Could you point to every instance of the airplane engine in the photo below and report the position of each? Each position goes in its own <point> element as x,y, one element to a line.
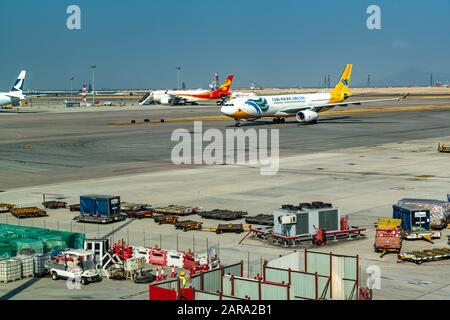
<point>307,116</point>
<point>166,99</point>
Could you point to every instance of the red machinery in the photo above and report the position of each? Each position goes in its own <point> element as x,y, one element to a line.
<point>122,250</point>
<point>320,237</point>
<point>158,257</point>
<point>344,223</point>
<point>190,263</point>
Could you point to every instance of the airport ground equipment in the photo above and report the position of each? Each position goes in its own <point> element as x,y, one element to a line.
<point>99,247</point>
<point>388,238</point>
<point>100,209</point>
<point>138,211</point>
<point>176,210</point>
<point>5,207</point>
<point>165,219</point>
<point>74,208</point>
<point>439,210</point>
<point>230,228</point>
<point>260,220</point>
<point>188,225</point>
<point>158,256</point>
<point>225,215</point>
<point>415,223</point>
<point>262,233</point>
<point>52,205</point>
<point>77,265</point>
<point>419,257</point>
<point>317,222</point>
<point>31,212</point>
<point>142,214</point>
<point>443,149</point>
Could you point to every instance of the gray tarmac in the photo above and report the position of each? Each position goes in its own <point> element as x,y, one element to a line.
<point>363,163</point>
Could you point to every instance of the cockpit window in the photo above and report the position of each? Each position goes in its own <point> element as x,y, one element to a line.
<point>229,105</point>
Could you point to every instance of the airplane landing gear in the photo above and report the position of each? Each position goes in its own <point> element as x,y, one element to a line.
<point>279,120</point>
<point>237,123</point>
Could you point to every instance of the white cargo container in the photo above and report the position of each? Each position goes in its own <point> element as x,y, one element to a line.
<point>39,264</point>
<point>10,270</point>
<point>27,263</point>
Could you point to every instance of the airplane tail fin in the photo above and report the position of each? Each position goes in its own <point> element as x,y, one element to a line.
<point>18,85</point>
<point>341,91</point>
<point>225,87</point>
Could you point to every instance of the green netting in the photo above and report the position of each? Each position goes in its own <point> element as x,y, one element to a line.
<point>20,245</point>
<point>5,250</point>
<point>16,238</point>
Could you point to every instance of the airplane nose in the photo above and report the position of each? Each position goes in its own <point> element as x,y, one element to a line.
<point>227,110</point>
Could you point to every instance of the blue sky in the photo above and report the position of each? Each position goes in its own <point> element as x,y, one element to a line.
<point>138,44</point>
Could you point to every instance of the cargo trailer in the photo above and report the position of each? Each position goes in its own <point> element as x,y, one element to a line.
<point>415,223</point>
<point>317,222</point>
<point>100,209</point>
<point>388,236</point>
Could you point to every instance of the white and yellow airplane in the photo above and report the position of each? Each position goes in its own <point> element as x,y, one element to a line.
<point>305,107</point>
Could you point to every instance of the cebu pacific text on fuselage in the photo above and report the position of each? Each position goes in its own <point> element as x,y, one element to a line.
<point>249,147</point>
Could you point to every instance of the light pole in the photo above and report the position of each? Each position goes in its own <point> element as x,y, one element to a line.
<point>179,72</point>
<point>71,88</point>
<point>93,83</point>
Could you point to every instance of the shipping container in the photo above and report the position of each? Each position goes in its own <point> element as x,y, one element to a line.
<point>105,206</point>
<point>414,219</point>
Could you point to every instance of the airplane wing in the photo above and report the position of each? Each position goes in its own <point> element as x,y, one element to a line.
<point>319,108</point>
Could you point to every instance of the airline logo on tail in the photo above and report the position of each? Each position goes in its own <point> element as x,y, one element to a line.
<point>18,85</point>
<point>225,87</point>
<point>340,92</point>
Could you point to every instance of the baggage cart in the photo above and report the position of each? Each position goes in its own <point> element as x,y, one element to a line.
<point>188,225</point>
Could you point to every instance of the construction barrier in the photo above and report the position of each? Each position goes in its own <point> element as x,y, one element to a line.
<point>342,271</point>
<point>253,289</point>
<point>211,281</point>
<point>208,296</point>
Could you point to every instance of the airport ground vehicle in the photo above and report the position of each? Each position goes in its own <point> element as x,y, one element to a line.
<point>175,210</point>
<point>165,219</point>
<point>77,265</point>
<point>188,225</point>
<point>54,205</point>
<point>230,228</point>
<point>419,257</point>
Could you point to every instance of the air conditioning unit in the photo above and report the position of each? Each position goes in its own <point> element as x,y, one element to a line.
<point>288,219</point>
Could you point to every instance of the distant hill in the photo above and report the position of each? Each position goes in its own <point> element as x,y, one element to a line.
<point>411,77</point>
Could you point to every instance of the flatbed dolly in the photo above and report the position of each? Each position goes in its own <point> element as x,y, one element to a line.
<point>419,257</point>
<point>188,225</point>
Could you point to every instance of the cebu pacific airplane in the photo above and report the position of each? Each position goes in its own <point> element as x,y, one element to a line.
<point>15,95</point>
<point>193,97</point>
<point>305,107</point>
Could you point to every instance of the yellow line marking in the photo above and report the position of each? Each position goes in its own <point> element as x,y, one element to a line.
<point>327,113</point>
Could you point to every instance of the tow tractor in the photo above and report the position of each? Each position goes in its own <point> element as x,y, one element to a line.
<point>77,265</point>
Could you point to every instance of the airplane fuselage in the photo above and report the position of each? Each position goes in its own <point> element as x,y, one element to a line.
<point>273,106</point>
<point>8,99</point>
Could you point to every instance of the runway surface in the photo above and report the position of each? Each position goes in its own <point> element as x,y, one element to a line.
<point>44,148</point>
